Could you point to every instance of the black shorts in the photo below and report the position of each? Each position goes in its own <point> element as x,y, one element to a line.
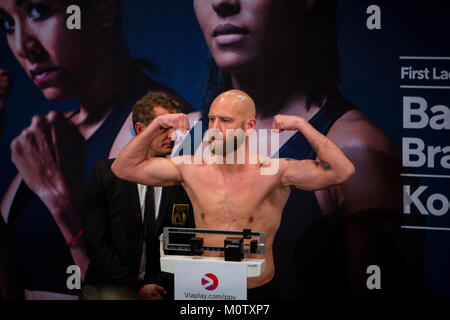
<point>265,292</point>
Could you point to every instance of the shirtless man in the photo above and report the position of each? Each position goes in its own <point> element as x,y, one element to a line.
<point>235,196</point>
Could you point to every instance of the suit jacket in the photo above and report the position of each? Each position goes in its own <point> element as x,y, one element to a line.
<point>113,231</point>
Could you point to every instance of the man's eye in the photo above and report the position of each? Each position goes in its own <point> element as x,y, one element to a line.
<point>38,11</point>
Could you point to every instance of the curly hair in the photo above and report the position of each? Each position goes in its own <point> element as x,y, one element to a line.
<point>143,109</point>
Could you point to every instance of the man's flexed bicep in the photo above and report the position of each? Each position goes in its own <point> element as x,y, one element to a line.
<point>158,172</point>
<point>308,175</point>
<point>332,166</point>
<point>137,163</point>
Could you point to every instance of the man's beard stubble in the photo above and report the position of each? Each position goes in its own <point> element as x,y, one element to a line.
<point>219,147</point>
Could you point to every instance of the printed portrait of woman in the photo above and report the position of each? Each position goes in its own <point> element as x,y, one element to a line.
<point>284,54</point>
<point>41,209</point>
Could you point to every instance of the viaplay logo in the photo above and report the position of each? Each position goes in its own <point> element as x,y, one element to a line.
<point>210,282</point>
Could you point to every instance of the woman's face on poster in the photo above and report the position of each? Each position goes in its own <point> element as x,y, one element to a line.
<point>55,58</point>
<point>244,34</point>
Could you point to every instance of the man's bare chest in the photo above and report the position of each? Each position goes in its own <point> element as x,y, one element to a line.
<point>238,191</point>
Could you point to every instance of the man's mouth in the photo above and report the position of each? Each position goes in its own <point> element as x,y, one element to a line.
<point>169,144</point>
<point>214,139</point>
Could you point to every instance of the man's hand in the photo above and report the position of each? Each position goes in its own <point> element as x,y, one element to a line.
<point>151,292</point>
<point>173,121</point>
<point>285,122</point>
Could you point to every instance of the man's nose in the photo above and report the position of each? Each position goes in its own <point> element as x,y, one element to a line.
<point>215,125</point>
<point>225,8</point>
<point>173,136</point>
<point>170,134</point>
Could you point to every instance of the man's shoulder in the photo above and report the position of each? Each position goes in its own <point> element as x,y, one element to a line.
<point>102,173</point>
<point>103,165</point>
<point>102,169</point>
<point>183,160</point>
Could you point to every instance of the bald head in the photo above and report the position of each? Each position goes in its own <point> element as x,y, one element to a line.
<point>232,114</point>
<point>236,102</point>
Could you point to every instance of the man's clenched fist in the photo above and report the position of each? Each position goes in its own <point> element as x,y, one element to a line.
<point>284,122</point>
<point>173,121</point>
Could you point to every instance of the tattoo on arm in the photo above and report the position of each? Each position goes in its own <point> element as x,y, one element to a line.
<point>316,150</point>
<point>325,165</point>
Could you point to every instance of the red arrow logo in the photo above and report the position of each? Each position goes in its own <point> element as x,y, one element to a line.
<point>210,281</point>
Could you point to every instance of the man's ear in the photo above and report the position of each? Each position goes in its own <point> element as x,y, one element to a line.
<point>108,12</point>
<point>139,127</point>
<point>251,123</point>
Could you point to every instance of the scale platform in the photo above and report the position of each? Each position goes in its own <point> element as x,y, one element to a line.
<point>255,267</point>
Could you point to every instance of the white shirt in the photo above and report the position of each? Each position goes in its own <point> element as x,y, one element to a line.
<point>142,190</point>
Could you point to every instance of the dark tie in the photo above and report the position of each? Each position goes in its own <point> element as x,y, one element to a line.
<point>149,213</point>
<point>152,265</point>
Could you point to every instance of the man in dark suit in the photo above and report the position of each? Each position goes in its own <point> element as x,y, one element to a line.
<point>123,220</point>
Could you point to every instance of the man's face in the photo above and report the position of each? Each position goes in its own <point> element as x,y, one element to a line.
<point>226,123</point>
<point>162,145</point>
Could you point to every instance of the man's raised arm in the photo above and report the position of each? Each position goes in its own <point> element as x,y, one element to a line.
<point>332,168</point>
<point>136,161</point>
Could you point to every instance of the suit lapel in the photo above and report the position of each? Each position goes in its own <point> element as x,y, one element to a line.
<point>134,197</point>
<point>166,200</point>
